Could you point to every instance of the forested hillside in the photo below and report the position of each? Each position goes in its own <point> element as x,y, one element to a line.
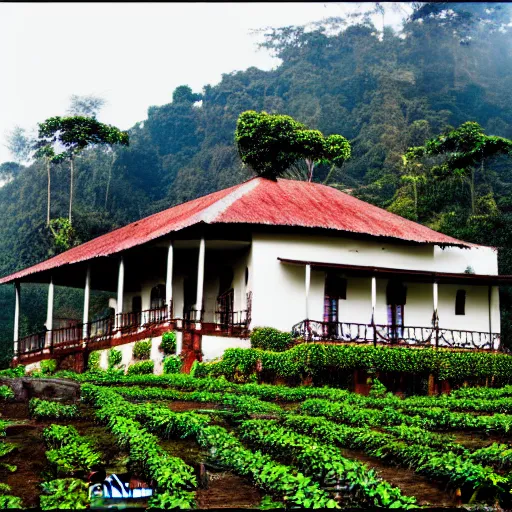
<point>384,91</point>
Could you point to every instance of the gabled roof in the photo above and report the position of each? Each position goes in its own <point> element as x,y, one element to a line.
<point>257,201</point>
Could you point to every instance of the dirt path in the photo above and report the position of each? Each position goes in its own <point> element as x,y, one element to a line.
<point>226,490</point>
<point>409,482</point>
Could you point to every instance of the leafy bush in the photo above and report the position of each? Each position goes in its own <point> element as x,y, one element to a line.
<point>377,390</point>
<point>268,338</point>
<point>172,364</point>
<point>45,409</point>
<point>141,368</point>
<point>70,453</point>
<point>93,365</point>
<point>168,344</point>
<point>17,371</point>
<point>68,493</point>
<point>7,500</point>
<point>6,392</point>
<point>318,360</point>
<point>142,349</point>
<point>48,366</point>
<point>114,358</point>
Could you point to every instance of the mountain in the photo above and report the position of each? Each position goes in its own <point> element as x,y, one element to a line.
<point>385,91</point>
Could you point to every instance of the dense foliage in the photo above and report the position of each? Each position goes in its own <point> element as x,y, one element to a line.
<point>330,361</point>
<point>383,90</point>
<point>142,349</point>
<point>168,344</point>
<point>268,338</point>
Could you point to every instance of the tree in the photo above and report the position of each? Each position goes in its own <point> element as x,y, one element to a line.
<point>87,106</point>
<point>271,143</point>
<point>19,144</point>
<point>463,152</point>
<point>46,152</point>
<point>76,134</point>
<point>184,94</point>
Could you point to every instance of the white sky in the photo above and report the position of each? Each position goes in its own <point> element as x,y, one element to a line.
<point>132,54</point>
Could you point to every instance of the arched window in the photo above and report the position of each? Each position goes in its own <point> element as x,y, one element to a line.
<point>157,296</point>
<point>460,302</point>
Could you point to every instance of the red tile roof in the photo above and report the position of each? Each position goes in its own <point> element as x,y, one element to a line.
<point>257,201</point>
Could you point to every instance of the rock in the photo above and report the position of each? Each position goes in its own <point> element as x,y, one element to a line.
<point>25,388</point>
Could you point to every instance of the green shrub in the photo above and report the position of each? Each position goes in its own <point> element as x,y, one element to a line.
<point>48,366</point>
<point>268,338</point>
<point>6,392</point>
<point>141,368</point>
<point>45,409</point>
<point>93,365</point>
<point>17,371</point>
<point>142,349</point>
<point>114,358</point>
<point>172,364</point>
<point>69,493</point>
<point>168,345</point>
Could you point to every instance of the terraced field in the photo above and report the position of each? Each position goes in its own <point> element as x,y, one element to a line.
<point>209,443</point>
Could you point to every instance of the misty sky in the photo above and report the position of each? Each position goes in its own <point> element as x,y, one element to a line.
<point>131,54</point>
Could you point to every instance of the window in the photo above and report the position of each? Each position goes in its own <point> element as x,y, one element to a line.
<point>460,302</point>
<point>246,275</point>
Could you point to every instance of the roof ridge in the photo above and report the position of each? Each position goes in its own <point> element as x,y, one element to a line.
<point>215,210</point>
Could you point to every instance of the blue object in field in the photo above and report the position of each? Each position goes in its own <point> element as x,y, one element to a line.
<point>113,487</point>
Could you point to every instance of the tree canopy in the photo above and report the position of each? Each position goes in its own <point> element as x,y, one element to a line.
<point>271,143</point>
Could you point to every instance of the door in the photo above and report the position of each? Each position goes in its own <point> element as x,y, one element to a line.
<point>335,290</point>
<point>396,294</point>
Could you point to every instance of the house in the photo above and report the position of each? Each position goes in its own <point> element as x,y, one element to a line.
<point>288,254</point>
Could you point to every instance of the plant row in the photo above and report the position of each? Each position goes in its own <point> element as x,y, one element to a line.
<point>174,480</point>
<point>69,453</point>
<point>46,409</point>
<point>283,482</point>
<point>431,419</point>
<point>352,481</point>
<point>456,469</point>
<point>241,404</point>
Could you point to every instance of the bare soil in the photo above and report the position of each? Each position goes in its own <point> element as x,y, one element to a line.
<point>226,490</point>
<point>409,482</point>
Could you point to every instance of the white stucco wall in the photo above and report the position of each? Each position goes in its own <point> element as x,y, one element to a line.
<point>279,289</point>
<point>214,346</point>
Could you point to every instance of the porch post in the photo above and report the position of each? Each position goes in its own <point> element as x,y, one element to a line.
<point>200,283</point>
<point>168,282</point>
<point>435,318</point>
<point>374,304</point>
<point>16,317</point>
<point>87,294</point>
<point>49,313</point>
<point>308,284</point>
<point>120,292</point>
<point>489,296</point>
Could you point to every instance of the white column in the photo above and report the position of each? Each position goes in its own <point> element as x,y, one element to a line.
<point>435,297</point>
<point>16,316</point>
<point>374,297</point>
<point>49,313</point>
<point>120,290</point>
<point>168,282</point>
<point>87,295</point>
<point>308,285</point>
<point>200,282</point>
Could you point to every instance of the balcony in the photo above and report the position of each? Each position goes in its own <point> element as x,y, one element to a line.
<point>124,328</point>
<point>410,336</point>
